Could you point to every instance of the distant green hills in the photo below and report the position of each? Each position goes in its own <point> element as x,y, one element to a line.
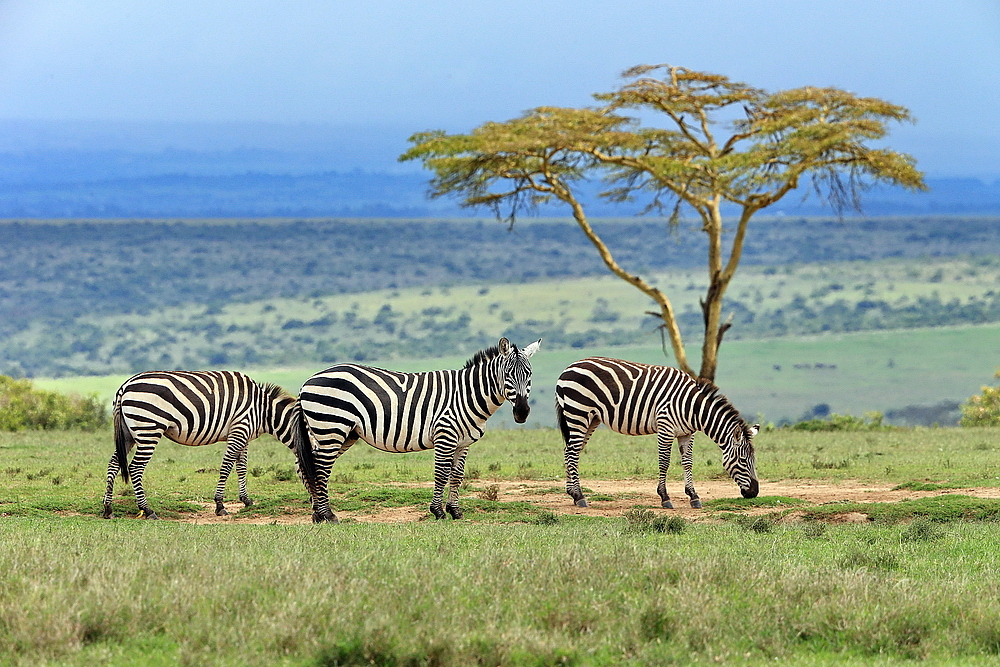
<point>106,299</point>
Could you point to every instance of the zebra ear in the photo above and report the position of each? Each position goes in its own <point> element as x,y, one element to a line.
<point>531,349</point>
<point>754,429</point>
<point>504,346</point>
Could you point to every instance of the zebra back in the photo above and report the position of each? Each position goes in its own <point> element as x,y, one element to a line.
<point>398,411</point>
<point>199,407</point>
<point>632,397</point>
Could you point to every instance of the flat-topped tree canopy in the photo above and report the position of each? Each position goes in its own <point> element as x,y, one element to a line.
<point>721,143</point>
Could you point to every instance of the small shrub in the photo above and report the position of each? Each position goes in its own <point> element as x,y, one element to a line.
<point>669,524</point>
<point>657,623</point>
<point>546,518</point>
<point>494,467</point>
<point>22,407</point>
<point>922,530</point>
<point>638,520</point>
<point>256,471</point>
<point>642,520</point>
<point>284,474</point>
<point>984,409</point>
<point>814,530</point>
<point>867,559</point>
<point>756,524</point>
<point>491,492</point>
<point>872,421</point>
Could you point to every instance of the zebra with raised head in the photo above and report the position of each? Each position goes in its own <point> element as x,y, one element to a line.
<point>196,408</point>
<point>409,412</point>
<point>642,399</point>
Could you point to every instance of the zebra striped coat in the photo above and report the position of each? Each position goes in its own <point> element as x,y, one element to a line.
<point>196,408</point>
<point>409,412</point>
<point>642,399</point>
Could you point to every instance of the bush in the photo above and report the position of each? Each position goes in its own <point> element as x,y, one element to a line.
<point>984,409</point>
<point>23,407</point>
<point>872,421</point>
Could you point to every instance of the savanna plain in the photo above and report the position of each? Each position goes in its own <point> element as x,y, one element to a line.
<point>878,545</point>
<point>867,547</point>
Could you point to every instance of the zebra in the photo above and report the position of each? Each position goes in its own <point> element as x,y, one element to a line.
<point>642,399</point>
<point>196,408</point>
<point>408,412</point>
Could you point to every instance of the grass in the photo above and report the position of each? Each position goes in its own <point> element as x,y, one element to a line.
<point>873,371</point>
<point>513,584</point>
<point>80,592</point>
<point>64,471</point>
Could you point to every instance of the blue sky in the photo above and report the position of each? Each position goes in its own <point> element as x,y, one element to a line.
<point>398,66</point>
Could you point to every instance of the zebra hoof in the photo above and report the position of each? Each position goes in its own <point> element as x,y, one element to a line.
<point>696,503</point>
<point>246,502</point>
<point>150,514</point>
<point>108,514</point>
<point>221,511</point>
<point>329,517</point>
<point>455,512</point>
<point>582,502</point>
<point>666,504</point>
<point>438,512</point>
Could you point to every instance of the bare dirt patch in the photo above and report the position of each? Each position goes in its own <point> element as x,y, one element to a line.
<point>625,493</point>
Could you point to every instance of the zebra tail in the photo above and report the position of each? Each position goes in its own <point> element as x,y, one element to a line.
<point>304,453</point>
<point>563,426</point>
<point>123,442</point>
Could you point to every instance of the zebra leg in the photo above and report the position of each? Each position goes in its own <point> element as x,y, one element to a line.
<point>326,454</point>
<point>576,437</point>
<point>236,447</point>
<point>143,452</point>
<point>686,444</point>
<point>113,469</point>
<point>241,472</point>
<point>663,442</point>
<point>444,460</point>
<point>455,482</point>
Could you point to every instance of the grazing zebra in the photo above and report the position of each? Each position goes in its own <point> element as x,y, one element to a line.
<point>196,408</point>
<point>409,412</point>
<point>640,399</point>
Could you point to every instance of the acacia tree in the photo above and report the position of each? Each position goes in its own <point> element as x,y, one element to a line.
<point>724,143</point>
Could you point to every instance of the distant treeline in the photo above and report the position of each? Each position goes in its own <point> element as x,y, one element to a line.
<point>91,297</point>
<point>59,271</point>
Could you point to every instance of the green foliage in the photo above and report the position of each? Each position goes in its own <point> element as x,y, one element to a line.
<point>24,407</point>
<point>426,594</point>
<point>940,509</point>
<point>872,421</point>
<point>984,409</point>
<point>763,151</point>
<point>642,520</point>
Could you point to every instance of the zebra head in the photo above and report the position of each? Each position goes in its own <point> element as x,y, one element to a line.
<point>738,458</point>
<point>515,370</point>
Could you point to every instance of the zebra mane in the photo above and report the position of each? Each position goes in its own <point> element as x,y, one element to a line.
<point>483,356</point>
<point>712,392</point>
<point>273,391</point>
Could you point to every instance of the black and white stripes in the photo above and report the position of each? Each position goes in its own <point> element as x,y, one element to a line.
<point>641,399</point>
<point>196,408</point>
<point>408,412</point>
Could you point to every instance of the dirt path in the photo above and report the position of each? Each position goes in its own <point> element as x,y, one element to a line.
<point>627,494</point>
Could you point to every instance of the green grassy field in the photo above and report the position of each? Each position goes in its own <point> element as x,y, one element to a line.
<point>423,322</point>
<point>512,584</point>
<point>852,373</point>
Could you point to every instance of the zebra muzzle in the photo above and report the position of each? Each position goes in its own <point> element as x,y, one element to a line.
<point>521,410</point>
<point>752,490</point>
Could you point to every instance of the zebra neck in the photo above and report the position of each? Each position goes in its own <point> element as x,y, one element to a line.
<point>483,382</point>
